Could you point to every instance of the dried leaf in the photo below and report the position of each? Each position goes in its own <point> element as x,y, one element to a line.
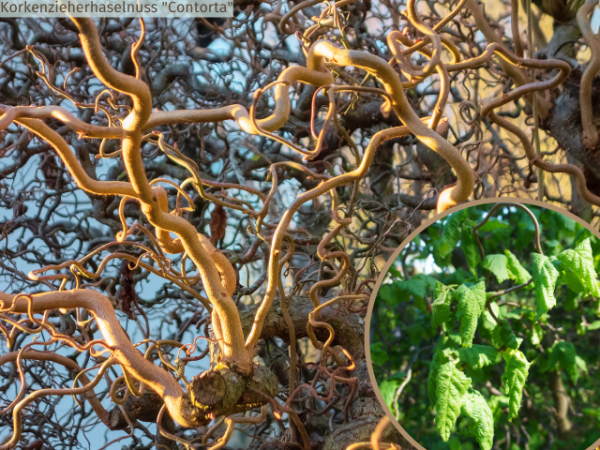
<point>127,296</point>
<point>218,224</point>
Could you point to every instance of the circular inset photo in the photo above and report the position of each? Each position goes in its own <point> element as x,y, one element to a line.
<point>484,332</point>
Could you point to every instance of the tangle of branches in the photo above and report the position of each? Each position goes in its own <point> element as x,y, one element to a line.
<point>195,211</point>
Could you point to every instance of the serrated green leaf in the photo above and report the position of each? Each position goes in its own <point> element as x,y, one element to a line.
<point>580,271</point>
<point>439,358</point>
<point>413,286</point>
<point>471,303</point>
<point>476,408</point>
<point>451,233</point>
<point>470,248</point>
<point>441,305</point>
<point>478,356</point>
<point>508,337</point>
<point>498,265</point>
<point>514,377</point>
<point>516,271</point>
<point>451,387</point>
<point>544,277</point>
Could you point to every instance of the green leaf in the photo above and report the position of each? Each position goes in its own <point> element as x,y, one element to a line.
<point>566,355</point>
<point>439,358</point>
<point>478,356</point>
<point>448,341</point>
<point>508,337</point>
<point>450,390</point>
<point>498,265</point>
<point>580,269</point>
<point>378,355</point>
<point>544,277</point>
<point>471,304</point>
<point>513,378</point>
<point>537,334</point>
<point>566,222</point>
<point>454,443</point>
<point>552,360</point>
<point>441,305</point>
<point>470,248</point>
<point>516,271</point>
<point>580,362</point>
<point>476,408</point>
<point>451,233</point>
<point>492,225</point>
<point>414,286</point>
<point>487,321</point>
<point>594,325</point>
<point>594,412</point>
<point>388,391</point>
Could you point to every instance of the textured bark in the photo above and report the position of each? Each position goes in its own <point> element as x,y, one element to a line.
<point>144,409</point>
<point>208,388</point>
<point>366,414</point>
<point>235,393</point>
<point>564,124</point>
<point>349,328</point>
<point>219,391</point>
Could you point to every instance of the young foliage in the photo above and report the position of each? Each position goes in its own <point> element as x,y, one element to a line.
<point>487,320</point>
<point>544,277</point>
<point>441,304</point>
<point>486,340</point>
<point>514,377</point>
<point>451,234</point>
<point>508,337</point>
<point>580,274</point>
<point>471,303</point>
<point>469,246</point>
<point>498,265</point>
<point>451,385</point>
<point>478,356</point>
<point>476,408</point>
<point>564,353</point>
<point>516,271</point>
<point>439,359</point>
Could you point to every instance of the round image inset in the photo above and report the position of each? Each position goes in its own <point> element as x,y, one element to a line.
<point>485,331</point>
